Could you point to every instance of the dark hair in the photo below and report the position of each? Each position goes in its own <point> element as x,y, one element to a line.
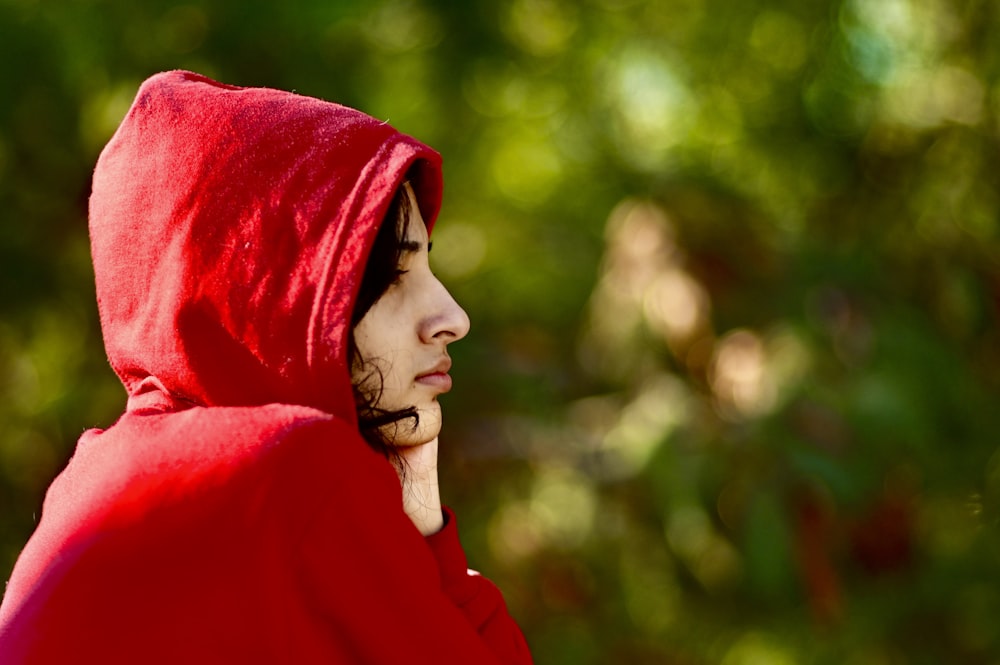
<point>381,271</point>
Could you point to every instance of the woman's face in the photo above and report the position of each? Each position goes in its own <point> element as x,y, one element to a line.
<point>405,335</point>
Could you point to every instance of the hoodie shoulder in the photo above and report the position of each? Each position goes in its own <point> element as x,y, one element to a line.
<point>133,532</point>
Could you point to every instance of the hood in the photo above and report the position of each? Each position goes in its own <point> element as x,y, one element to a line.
<point>229,231</point>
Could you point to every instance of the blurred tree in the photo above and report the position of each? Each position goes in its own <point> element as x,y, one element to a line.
<point>733,272</point>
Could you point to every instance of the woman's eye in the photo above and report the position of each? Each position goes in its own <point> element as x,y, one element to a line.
<point>397,275</point>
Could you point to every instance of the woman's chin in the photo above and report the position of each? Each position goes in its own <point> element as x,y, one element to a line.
<point>427,429</point>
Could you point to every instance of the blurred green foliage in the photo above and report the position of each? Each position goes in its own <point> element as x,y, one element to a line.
<point>732,393</point>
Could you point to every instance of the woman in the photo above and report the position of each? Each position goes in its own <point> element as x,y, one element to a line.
<point>270,492</point>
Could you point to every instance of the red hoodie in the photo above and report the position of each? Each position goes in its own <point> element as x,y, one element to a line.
<point>233,513</point>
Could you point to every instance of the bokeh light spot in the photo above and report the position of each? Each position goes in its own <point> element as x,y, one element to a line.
<point>540,27</point>
<point>740,377</point>
<point>400,26</point>
<point>526,169</point>
<point>651,103</point>
<point>459,249</point>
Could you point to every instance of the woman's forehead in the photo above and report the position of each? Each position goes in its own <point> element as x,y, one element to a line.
<point>414,231</point>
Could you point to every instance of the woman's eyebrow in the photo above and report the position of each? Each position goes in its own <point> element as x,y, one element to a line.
<point>413,246</point>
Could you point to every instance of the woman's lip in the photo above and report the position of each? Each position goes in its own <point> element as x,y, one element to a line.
<point>438,380</point>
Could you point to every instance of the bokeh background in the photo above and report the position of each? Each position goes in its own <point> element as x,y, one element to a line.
<point>732,393</point>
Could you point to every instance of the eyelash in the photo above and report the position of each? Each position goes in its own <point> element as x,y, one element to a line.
<point>397,275</point>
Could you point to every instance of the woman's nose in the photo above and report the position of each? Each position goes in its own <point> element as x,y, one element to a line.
<point>447,322</point>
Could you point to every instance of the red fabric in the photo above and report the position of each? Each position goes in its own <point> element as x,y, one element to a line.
<point>233,513</point>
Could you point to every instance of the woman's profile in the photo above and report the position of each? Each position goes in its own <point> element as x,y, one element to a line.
<point>270,492</point>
